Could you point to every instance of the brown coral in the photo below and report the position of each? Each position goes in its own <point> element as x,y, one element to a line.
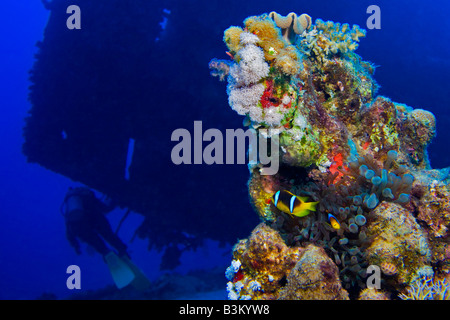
<point>434,213</point>
<point>386,125</point>
<point>344,89</point>
<point>373,294</point>
<point>425,123</point>
<point>265,257</point>
<point>380,125</point>
<point>314,277</point>
<point>418,129</point>
<point>434,210</point>
<point>260,190</point>
<point>397,238</point>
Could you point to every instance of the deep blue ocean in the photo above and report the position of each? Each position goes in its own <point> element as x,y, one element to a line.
<point>411,50</point>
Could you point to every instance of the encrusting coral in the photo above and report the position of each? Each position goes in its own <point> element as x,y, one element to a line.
<point>397,239</point>
<point>362,157</point>
<point>373,294</point>
<point>263,258</point>
<point>315,276</point>
<point>264,267</point>
<point>338,38</point>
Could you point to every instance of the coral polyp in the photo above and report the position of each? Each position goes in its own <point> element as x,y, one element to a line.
<point>360,157</point>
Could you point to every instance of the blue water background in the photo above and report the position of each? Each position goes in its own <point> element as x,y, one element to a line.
<point>412,50</point>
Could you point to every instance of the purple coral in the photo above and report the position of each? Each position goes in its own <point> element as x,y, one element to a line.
<point>220,68</point>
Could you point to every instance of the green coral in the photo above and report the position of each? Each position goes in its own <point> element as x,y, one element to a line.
<point>300,146</point>
<point>343,39</point>
<point>346,85</point>
<point>384,134</point>
<point>330,38</point>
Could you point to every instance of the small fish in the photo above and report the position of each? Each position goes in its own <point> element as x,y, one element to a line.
<point>292,204</point>
<point>230,55</point>
<point>334,222</point>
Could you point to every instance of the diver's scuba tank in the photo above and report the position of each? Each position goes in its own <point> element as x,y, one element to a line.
<point>73,206</point>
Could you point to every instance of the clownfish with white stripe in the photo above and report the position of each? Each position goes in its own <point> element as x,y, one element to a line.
<point>292,204</point>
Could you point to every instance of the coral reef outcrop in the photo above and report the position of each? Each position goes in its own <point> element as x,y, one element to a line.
<point>315,276</point>
<point>361,156</point>
<point>264,267</point>
<point>398,243</point>
<point>263,258</point>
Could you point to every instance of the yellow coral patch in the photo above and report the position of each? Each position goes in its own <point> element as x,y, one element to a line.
<point>286,63</point>
<point>283,56</point>
<point>232,38</point>
<point>268,33</point>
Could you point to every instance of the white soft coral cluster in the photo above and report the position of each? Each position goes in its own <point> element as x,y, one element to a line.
<point>231,270</point>
<point>245,100</point>
<point>244,89</point>
<point>273,116</point>
<point>252,67</point>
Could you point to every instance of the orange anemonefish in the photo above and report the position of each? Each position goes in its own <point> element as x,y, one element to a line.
<point>334,222</point>
<point>293,205</point>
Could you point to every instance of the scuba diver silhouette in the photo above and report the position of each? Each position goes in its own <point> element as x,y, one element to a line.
<point>85,220</point>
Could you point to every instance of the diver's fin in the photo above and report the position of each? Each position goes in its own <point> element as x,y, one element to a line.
<point>120,271</point>
<point>140,281</point>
